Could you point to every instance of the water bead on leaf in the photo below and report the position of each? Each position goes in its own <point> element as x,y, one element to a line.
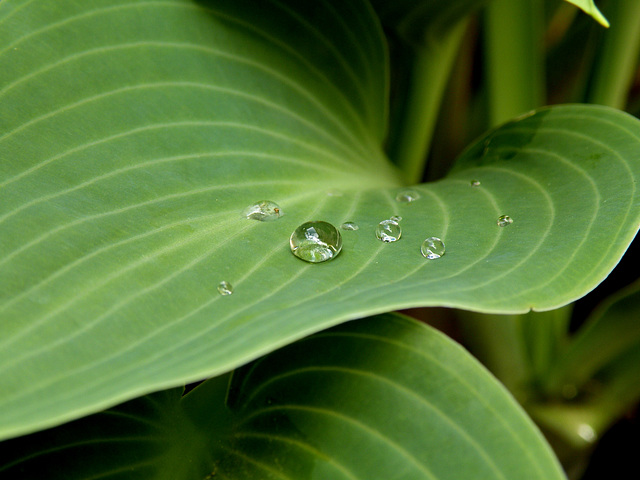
<point>407,196</point>
<point>263,211</point>
<point>316,242</point>
<point>388,231</point>
<point>504,220</point>
<point>349,226</point>
<point>225,288</point>
<point>432,248</point>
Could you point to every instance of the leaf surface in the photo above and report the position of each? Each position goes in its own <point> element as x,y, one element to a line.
<point>134,135</point>
<point>380,398</point>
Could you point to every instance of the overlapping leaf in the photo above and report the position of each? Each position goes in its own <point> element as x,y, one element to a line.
<point>380,398</point>
<point>133,135</point>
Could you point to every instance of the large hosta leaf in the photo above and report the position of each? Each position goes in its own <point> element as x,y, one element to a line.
<point>380,398</point>
<point>133,135</point>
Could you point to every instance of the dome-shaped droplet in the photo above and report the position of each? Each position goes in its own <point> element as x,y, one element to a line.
<point>407,196</point>
<point>263,211</point>
<point>349,226</point>
<point>432,248</point>
<point>504,220</point>
<point>396,218</point>
<point>225,288</point>
<point>316,242</point>
<point>388,231</point>
<point>475,183</point>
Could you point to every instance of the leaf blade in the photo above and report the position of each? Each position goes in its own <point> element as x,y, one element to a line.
<point>376,398</point>
<point>123,191</point>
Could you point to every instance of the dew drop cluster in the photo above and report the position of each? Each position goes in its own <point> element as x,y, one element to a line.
<point>319,241</point>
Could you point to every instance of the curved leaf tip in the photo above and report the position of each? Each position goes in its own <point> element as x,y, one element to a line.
<point>589,7</point>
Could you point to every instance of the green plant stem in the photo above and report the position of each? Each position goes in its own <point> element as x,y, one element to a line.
<point>431,69</point>
<point>518,349</point>
<point>496,341</point>
<point>618,57</point>
<point>515,64</point>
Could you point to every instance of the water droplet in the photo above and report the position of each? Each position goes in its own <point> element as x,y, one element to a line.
<point>586,432</point>
<point>316,242</point>
<point>263,211</point>
<point>475,183</point>
<point>388,231</point>
<point>349,226</point>
<point>396,218</point>
<point>407,196</point>
<point>432,248</point>
<point>504,220</point>
<point>225,288</point>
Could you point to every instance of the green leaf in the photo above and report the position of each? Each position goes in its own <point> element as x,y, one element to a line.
<point>589,7</point>
<point>133,136</point>
<point>384,397</point>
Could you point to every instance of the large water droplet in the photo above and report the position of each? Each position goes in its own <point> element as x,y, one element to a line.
<point>263,211</point>
<point>407,196</point>
<point>432,248</point>
<point>396,218</point>
<point>475,183</point>
<point>504,220</point>
<point>225,288</point>
<point>388,231</point>
<point>349,226</point>
<point>316,242</point>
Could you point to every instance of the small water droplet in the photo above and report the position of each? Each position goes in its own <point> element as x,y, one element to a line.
<point>225,288</point>
<point>586,432</point>
<point>316,242</point>
<point>263,211</point>
<point>407,196</point>
<point>388,231</point>
<point>432,248</point>
<point>475,183</point>
<point>504,220</point>
<point>396,218</point>
<point>349,226</point>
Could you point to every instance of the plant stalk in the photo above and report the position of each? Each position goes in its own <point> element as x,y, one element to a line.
<point>616,61</point>
<point>514,33</point>
<point>432,65</point>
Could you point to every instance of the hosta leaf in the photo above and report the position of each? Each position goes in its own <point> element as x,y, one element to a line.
<point>380,398</point>
<point>133,136</point>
